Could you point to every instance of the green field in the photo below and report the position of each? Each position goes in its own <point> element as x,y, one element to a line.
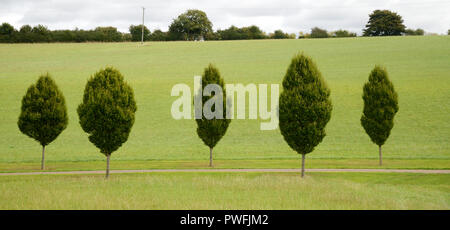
<point>227,191</point>
<point>419,67</point>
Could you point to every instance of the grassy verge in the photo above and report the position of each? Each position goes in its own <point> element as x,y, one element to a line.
<point>231,164</point>
<point>227,191</point>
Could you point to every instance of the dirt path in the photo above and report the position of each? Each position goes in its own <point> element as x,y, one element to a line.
<point>231,170</point>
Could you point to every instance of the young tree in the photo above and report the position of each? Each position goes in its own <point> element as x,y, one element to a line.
<point>44,114</point>
<point>211,130</point>
<point>305,106</point>
<point>107,111</point>
<point>380,107</point>
<point>384,23</point>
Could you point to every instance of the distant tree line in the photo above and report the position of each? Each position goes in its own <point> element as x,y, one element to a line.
<point>195,25</point>
<point>40,33</point>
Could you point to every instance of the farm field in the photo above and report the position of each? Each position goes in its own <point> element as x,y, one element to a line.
<point>227,191</point>
<point>418,67</point>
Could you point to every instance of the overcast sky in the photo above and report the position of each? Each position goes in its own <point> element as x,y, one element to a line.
<point>269,15</point>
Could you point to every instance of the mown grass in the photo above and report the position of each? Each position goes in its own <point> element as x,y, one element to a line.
<point>227,191</point>
<point>230,164</point>
<point>417,65</point>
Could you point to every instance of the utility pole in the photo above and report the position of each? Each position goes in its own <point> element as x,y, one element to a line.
<point>142,37</point>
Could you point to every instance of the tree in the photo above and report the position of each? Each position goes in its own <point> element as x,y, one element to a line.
<point>420,32</point>
<point>191,25</point>
<point>384,23</point>
<point>107,111</point>
<point>158,35</point>
<point>136,33</point>
<point>212,130</point>
<point>25,34</point>
<point>380,107</point>
<point>305,106</point>
<point>40,33</point>
<point>108,34</point>
<point>279,34</point>
<point>232,33</point>
<point>252,32</point>
<point>316,32</point>
<point>342,34</point>
<point>44,114</point>
<point>6,32</point>
<point>411,32</point>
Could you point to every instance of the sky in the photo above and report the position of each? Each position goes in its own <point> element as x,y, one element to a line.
<point>291,16</point>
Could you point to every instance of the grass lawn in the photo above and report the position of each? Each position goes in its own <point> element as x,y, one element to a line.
<point>231,164</point>
<point>418,67</point>
<point>227,191</point>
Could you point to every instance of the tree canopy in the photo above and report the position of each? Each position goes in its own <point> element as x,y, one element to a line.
<point>191,25</point>
<point>107,111</point>
<point>384,23</point>
<point>136,33</point>
<point>43,114</point>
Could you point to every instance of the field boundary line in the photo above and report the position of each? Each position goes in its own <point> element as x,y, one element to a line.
<point>426,171</point>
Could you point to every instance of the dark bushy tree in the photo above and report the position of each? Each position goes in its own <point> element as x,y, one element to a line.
<point>384,23</point>
<point>305,106</point>
<point>316,32</point>
<point>411,32</point>
<point>44,114</point>
<point>279,34</point>
<point>108,34</point>
<point>342,34</point>
<point>191,25</point>
<point>107,111</point>
<point>7,32</point>
<point>212,130</point>
<point>235,33</point>
<point>41,33</point>
<point>380,107</point>
<point>159,35</point>
<point>136,33</point>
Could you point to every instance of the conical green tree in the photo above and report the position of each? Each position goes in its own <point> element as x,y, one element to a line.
<point>212,130</point>
<point>44,114</point>
<point>107,112</point>
<point>380,107</point>
<point>305,106</point>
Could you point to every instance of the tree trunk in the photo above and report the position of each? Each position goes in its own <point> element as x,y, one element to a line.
<point>107,165</point>
<point>381,156</point>
<point>43,158</point>
<point>303,165</point>
<point>210,157</point>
